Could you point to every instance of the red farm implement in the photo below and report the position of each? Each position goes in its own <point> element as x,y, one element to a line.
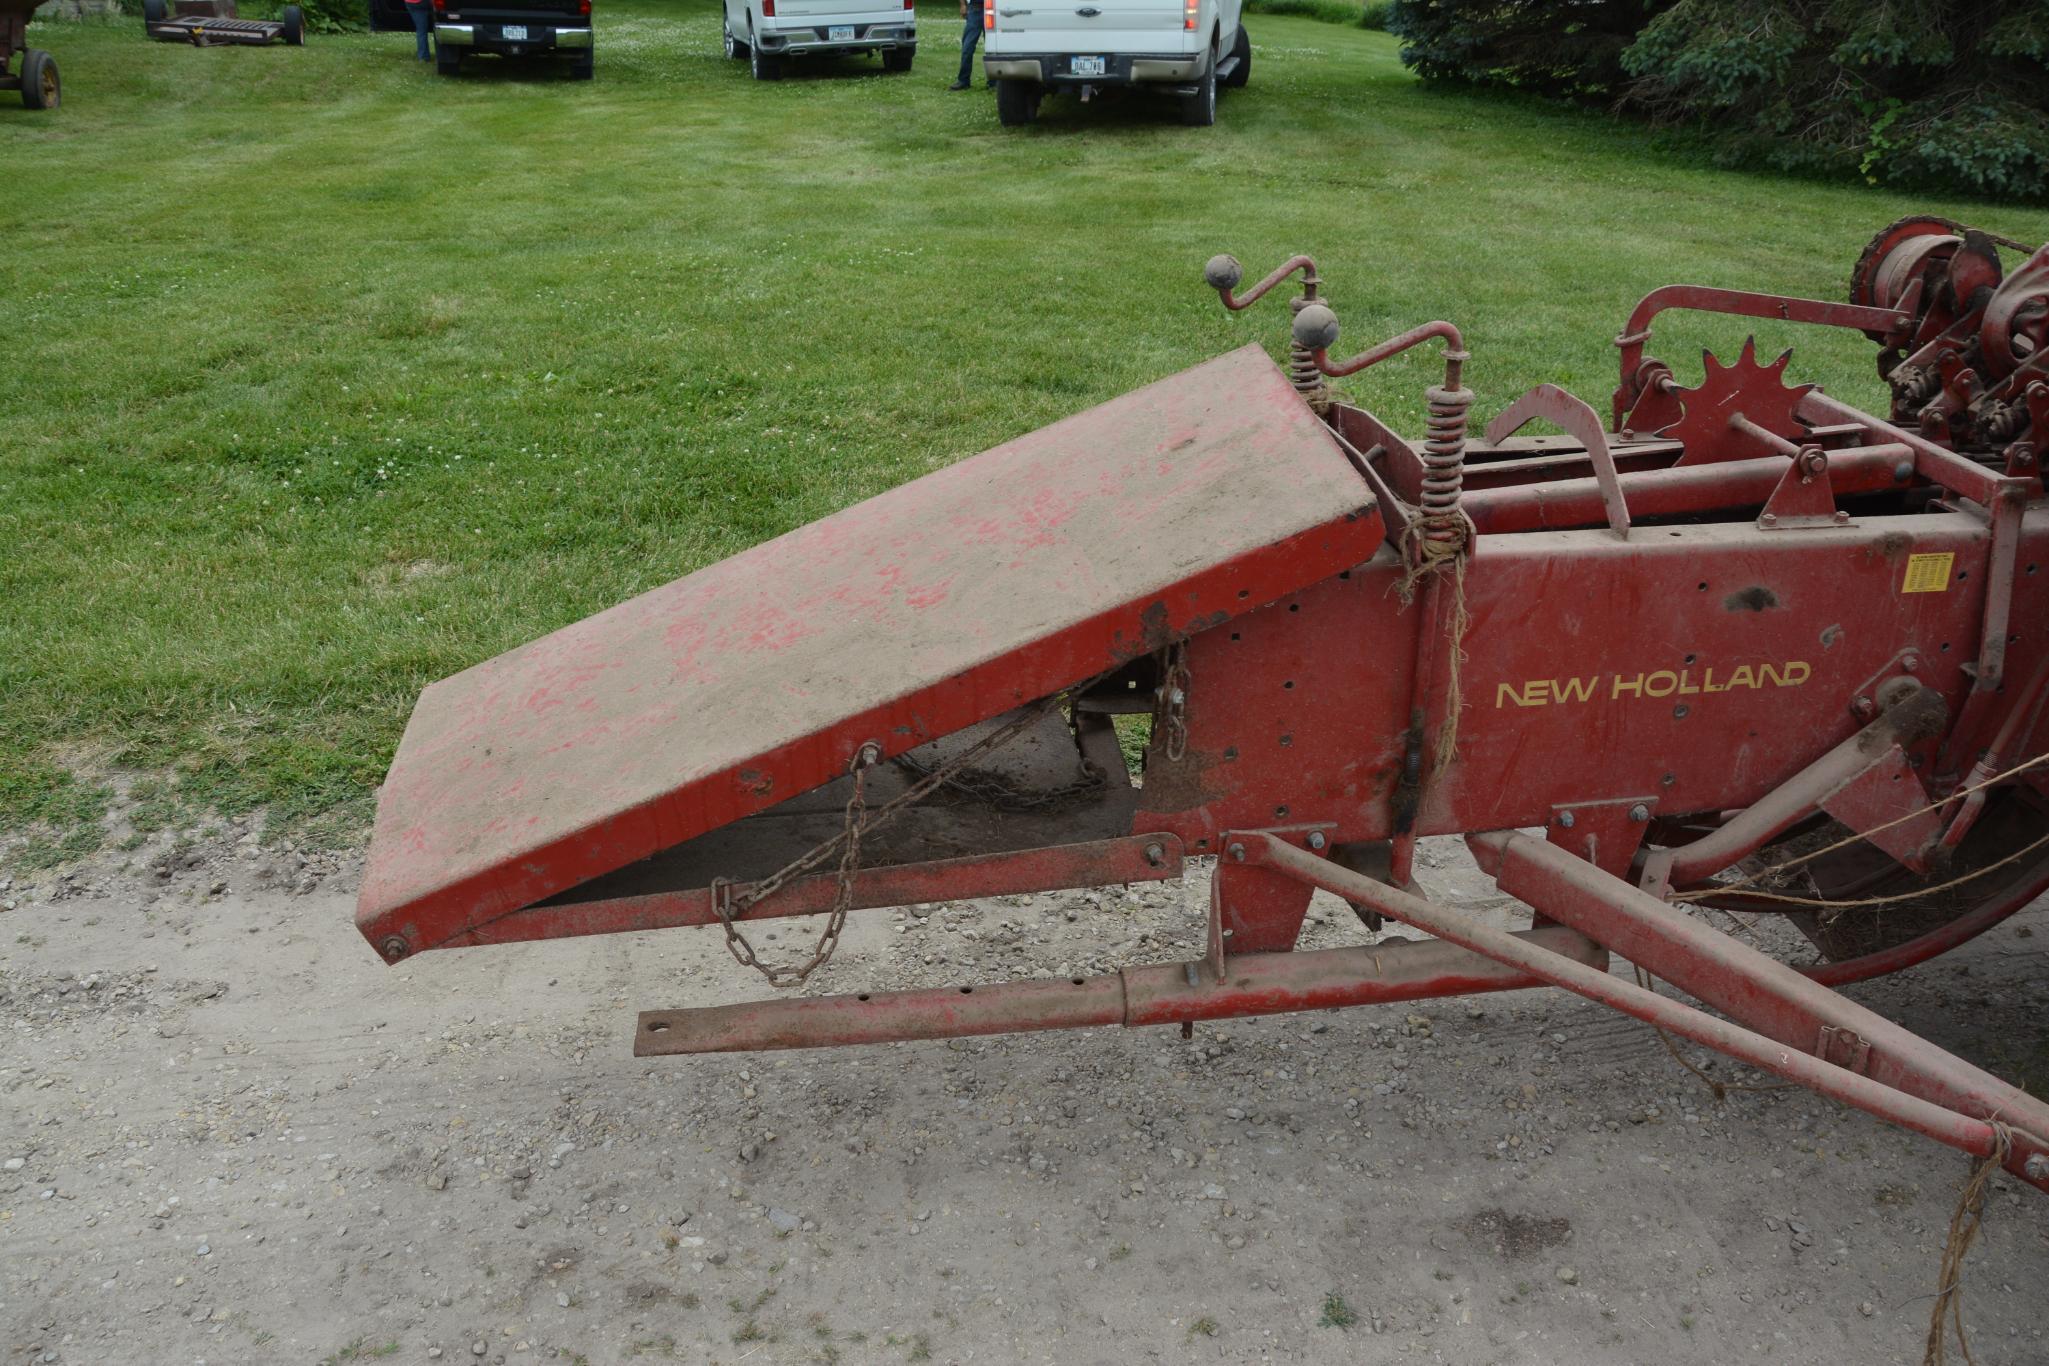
<point>1740,651</point>
<point>214,23</point>
<point>30,70</point>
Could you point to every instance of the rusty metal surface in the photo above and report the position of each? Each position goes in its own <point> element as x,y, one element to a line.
<point>1706,663</point>
<point>1099,863</point>
<point>1775,1000</point>
<point>1780,620</point>
<point>1156,994</point>
<point>1909,1081</point>
<point>926,609</point>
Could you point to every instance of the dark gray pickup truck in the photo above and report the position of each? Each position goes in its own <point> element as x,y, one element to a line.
<point>506,28</point>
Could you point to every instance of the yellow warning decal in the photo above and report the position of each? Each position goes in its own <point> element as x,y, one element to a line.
<point>1928,573</point>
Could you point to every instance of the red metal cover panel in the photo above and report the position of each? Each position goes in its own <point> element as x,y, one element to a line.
<point>931,607</point>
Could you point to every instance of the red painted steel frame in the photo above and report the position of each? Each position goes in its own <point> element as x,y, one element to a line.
<point>1738,303</point>
<point>1777,614</point>
<point>1161,993</point>
<point>1902,1079</point>
<point>915,614</point>
<point>1101,863</point>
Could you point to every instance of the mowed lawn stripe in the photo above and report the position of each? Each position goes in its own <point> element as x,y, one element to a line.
<point>327,377</point>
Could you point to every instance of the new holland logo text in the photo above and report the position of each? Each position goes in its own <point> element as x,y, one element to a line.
<point>1687,682</point>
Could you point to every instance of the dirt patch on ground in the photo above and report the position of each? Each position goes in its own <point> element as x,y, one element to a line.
<point>230,1134</point>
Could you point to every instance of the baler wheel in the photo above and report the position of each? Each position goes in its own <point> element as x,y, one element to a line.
<point>40,88</point>
<point>1862,935</point>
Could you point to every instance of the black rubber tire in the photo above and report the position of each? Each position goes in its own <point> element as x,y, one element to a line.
<point>1241,48</point>
<point>447,60</point>
<point>294,20</point>
<point>154,11</point>
<point>764,66</point>
<point>1017,102</point>
<point>40,88</point>
<point>735,49</point>
<point>584,67</point>
<point>1200,109</point>
<point>898,58</point>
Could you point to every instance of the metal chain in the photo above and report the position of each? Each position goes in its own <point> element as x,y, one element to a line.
<point>1172,709</point>
<point>730,905</point>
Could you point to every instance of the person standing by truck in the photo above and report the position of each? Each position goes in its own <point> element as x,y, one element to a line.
<point>970,34</point>
<point>422,14</point>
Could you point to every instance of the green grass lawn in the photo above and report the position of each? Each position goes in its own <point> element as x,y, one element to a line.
<point>328,377</point>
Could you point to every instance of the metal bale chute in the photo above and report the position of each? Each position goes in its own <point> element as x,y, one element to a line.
<point>1737,651</point>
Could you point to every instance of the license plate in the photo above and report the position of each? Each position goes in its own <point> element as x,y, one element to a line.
<point>514,33</point>
<point>1086,66</point>
<point>840,33</point>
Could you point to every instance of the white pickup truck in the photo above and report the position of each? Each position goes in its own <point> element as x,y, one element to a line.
<point>1185,48</point>
<point>765,32</point>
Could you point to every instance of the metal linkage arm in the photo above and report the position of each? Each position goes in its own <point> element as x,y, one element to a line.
<point>1787,1024</point>
<point>1222,273</point>
<point>1743,304</point>
<point>1316,328</point>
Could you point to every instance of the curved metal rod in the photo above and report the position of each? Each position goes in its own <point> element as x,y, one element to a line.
<point>1454,352</point>
<point>1226,283</point>
<point>1581,422</point>
<point>1744,304</point>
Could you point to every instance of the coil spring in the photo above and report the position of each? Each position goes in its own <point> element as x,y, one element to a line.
<point>1302,371</point>
<point>1444,466</point>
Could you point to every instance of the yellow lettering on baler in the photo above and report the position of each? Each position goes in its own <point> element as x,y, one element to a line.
<point>1542,692</point>
<point>1656,683</point>
<point>1575,689</point>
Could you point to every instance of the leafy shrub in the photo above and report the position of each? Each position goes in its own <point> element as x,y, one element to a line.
<point>1558,47</point>
<point>1950,95</point>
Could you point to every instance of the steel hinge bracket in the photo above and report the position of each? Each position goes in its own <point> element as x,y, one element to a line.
<point>1844,1047</point>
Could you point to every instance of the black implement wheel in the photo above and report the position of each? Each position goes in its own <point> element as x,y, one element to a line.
<point>1200,109</point>
<point>1017,102</point>
<point>40,88</point>
<point>153,11</point>
<point>447,60</point>
<point>898,58</point>
<point>762,65</point>
<point>1241,48</point>
<point>1981,884</point>
<point>294,20</point>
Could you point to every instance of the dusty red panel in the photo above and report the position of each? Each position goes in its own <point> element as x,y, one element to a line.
<point>918,612</point>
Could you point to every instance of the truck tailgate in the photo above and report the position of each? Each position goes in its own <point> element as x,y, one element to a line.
<point>1092,26</point>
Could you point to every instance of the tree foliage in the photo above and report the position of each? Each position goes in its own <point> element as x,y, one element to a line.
<point>1558,47</point>
<point>1941,94</point>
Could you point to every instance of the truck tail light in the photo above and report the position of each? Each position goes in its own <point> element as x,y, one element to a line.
<point>989,15</point>
<point>768,9</point>
<point>910,4</point>
<point>1189,9</point>
<point>583,6</point>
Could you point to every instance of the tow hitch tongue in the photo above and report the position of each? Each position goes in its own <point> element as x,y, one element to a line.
<point>1741,647</point>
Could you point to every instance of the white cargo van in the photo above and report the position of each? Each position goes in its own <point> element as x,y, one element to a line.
<point>1185,48</point>
<point>765,32</point>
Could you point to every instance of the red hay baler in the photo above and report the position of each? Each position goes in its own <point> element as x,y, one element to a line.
<point>1739,651</point>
